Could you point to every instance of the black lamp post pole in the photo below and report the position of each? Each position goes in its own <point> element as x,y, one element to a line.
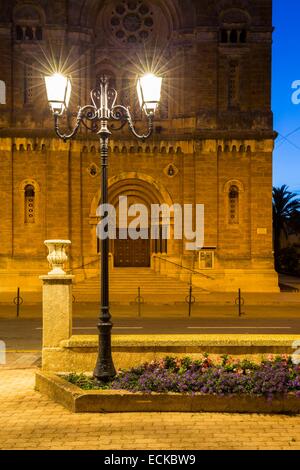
<point>104,369</point>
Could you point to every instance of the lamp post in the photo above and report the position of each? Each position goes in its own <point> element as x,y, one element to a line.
<point>96,117</point>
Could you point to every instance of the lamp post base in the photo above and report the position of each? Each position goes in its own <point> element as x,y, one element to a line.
<point>104,370</point>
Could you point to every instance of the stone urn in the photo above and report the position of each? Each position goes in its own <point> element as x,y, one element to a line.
<point>57,256</point>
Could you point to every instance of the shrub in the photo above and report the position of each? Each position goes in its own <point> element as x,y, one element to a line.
<point>288,260</point>
<point>274,376</point>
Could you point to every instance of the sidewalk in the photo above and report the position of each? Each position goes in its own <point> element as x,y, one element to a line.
<point>199,310</point>
<point>29,420</point>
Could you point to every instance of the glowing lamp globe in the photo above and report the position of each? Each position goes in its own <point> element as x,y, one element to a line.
<point>58,89</point>
<point>149,90</point>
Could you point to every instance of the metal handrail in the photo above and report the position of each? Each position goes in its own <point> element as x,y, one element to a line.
<point>83,266</point>
<point>192,271</point>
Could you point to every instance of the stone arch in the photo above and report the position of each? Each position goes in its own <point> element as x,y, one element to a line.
<point>30,13</point>
<point>235,16</point>
<point>234,182</point>
<point>224,5</point>
<point>156,192</point>
<point>29,182</point>
<point>142,189</point>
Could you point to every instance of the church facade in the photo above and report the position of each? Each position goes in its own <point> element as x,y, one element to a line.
<point>212,142</point>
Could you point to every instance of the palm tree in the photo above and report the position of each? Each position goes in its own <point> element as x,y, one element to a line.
<point>286,210</point>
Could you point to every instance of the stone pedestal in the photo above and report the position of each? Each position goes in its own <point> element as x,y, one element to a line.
<point>57,309</point>
<point>57,301</point>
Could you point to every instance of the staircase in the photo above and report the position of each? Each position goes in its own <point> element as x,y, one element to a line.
<point>124,282</point>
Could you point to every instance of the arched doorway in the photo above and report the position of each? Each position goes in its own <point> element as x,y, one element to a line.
<point>130,252</point>
<point>138,189</point>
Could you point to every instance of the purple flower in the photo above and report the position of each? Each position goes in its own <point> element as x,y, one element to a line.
<point>275,376</point>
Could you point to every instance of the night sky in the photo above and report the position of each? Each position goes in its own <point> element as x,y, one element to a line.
<point>286,69</point>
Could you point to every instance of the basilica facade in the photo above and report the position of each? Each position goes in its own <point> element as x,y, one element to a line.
<point>212,143</point>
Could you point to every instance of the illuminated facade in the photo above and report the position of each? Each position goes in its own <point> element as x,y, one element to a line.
<point>212,144</point>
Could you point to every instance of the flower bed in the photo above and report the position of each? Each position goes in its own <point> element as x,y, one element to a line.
<point>226,376</point>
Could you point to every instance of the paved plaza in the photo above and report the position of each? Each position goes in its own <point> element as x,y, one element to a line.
<point>29,420</point>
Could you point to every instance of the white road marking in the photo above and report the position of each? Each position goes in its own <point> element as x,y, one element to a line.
<point>239,327</point>
<point>115,328</point>
<point>128,327</point>
<point>191,328</point>
<point>95,327</point>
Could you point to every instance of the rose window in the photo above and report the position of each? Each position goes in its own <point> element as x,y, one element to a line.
<point>132,21</point>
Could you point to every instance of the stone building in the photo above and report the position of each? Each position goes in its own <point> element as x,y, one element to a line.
<point>212,144</point>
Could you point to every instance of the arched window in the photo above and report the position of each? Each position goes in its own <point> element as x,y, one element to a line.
<point>233,205</point>
<point>234,24</point>
<point>28,23</point>
<point>2,92</point>
<point>29,206</point>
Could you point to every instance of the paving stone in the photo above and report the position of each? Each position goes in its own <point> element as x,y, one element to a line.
<point>28,420</point>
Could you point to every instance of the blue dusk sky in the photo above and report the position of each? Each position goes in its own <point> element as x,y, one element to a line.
<point>286,69</point>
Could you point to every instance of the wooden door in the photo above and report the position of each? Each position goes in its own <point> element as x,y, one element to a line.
<point>132,253</point>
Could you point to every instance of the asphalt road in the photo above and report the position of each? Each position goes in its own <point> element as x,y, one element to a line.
<point>26,334</point>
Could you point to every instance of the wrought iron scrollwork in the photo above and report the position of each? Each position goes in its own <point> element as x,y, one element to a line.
<point>90,115</point>
<point>66,137</point>
<point>103,108</point>
<point>112,96</point>
<point>135,133</point>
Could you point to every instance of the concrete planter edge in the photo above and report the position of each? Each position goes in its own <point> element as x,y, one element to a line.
<point>117,401</point>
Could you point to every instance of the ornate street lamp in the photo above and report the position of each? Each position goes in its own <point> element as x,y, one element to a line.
<point>102,110</point>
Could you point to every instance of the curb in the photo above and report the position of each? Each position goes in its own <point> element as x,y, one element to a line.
<point>114,401</point>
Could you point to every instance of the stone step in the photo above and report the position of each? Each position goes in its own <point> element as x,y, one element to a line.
<point>124,283</point>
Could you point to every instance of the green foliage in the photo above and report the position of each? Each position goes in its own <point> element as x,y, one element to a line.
<point>288,260</point>
<point>246,364</point>
<point>85,382</point>
<point>286,220</point>
<point>170,363</point>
